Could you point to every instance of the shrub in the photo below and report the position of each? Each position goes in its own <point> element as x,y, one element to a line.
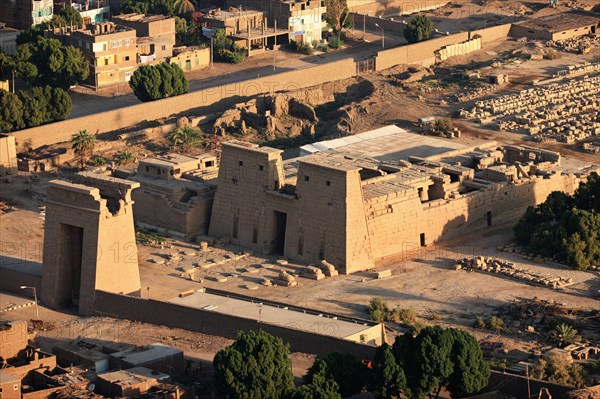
<point>557,368</point>
<point>552,55</point>
<point>335,42</point>
<point>495,323</point>
<point>124,158</point>
<point>99,161</point>
<point>378,310</point>
<point>479,322</point>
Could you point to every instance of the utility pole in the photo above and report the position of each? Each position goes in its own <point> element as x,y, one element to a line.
<point>211,50</point>
<point>37,311</point>
<point>382,36</point>
<point>274,42</point>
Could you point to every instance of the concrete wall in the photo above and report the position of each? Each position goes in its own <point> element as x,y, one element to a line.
<point>463,48</point>
<point>212,323</point>
<point>424,53</point>
<point>203,101</point>
<point>520,386</point>
<point>8,155</point>
<point>389,25</point>
<point>394,7</point>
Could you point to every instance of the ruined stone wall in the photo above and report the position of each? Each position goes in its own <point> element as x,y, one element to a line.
<point>157,208</point>
<point>396,227</point>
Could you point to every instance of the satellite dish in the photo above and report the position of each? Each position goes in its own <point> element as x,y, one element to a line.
<point>91,387</point>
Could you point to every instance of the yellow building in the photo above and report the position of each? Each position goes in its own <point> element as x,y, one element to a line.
<point>191,58</point>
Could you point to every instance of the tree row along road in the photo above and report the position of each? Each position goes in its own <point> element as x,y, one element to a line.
<point>85,104</point>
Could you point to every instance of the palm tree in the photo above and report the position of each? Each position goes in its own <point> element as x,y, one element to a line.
<point>124,158</point>
<point>564,335</point>
<point>83,144</point>
<point>186,137</point>
<point>184,6</point>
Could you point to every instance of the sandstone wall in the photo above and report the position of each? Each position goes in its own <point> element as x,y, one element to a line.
<point>394,7</point>
<point>396,224</point>
<point>202,101</point>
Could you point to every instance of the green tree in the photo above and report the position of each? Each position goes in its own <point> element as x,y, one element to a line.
<point>164,7</point>
<point>58,65</point>
<point>11,112</point>
<point>83,144</point>
<point>565,227</point>
<point>418,29</point>
<point>386,378</point>
<point>7,66</point>
<point>226,50</point>
<point>321,385</point>
<point>153,82</point>
<point>44,105</point>
<point>470,372</point>
<point>255,366</point>
<point>67,16</point>
<point>558,368</point>
<point>438,358</point>
<point>336,14</point>
<point>30,34</point>
<point>378,309</point>
<point>344,368</point>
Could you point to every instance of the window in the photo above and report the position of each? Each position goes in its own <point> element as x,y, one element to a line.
<point>114,44</point>
<point>80,43</point>
<point>87,45</point>
<point>306,178</point>
<point>241,163</point>
<point>126,58</point>
<point>164,47</point>
<point>208,164</point>
<point>127,76</point>
<point>328,183</point>
<point>260,167</point>
<point>106,61</point>
<point>147,168</point>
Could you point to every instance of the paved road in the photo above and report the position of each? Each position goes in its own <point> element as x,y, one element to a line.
<point>85,102</point>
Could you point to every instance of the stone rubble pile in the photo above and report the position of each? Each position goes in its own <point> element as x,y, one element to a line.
<point>286,280</point>
<point>525,254</point>
<point>577,45</point>
<point>328,269</point>
<point>509,269</point>
<point>565,112</point>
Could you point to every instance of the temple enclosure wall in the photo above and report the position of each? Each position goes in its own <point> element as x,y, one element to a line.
<point>202,101</point>
<point>217,98</point>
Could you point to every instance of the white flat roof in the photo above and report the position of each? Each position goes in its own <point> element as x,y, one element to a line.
<point>148,353</point>
<point>389,143</point>
<point>271,314</point>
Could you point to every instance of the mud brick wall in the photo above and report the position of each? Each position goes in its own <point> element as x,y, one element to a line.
<point>212,323</point>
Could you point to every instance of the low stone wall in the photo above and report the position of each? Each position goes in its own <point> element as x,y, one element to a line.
<point>11,280</point>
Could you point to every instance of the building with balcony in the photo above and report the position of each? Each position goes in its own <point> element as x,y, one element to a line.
<point>153,50</point>
<point>304,18</point>
<point>247,28</point>
<point>111,50</point>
